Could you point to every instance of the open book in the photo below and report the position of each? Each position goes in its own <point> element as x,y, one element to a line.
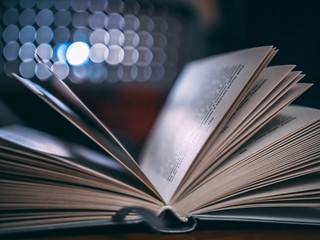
<point>225,147</point>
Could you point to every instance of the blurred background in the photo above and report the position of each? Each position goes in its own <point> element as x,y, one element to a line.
<point>122,56</point>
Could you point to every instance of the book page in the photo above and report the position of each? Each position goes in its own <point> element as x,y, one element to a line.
<point>200,101</point>
<point>85,121</point>
<point>29,142</point>
<point>287,147</point>
<point>234,132</point>
<point>287,122</point>
<point>301,191</point>
<point>45,180</point>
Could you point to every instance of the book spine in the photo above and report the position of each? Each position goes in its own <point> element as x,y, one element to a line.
<point>173,211</point>
<point>168,222</point>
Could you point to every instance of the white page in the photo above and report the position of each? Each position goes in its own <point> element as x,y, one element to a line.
<point>205,92</point>
<point>89,125</point>
<point>266,83</point>
<point>238,170</point>
<point>294,118</point>
<point>23,140</point>
<point>304,188</point>
<point>230,145</point>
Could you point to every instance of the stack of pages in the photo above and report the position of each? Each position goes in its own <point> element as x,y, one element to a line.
<point>225,147</point>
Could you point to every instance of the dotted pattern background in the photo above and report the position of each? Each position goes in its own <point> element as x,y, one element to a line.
<point>128,41</point>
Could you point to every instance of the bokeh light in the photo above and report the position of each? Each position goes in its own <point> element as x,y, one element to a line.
<point>94,41</point>
<point>60,51</point>
<point>77,53</point>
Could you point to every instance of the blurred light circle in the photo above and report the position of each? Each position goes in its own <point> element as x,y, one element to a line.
<point>97,72</point>
<point>147,72</point>
<point>27,51</point>
<point>44,35</point>
<point>158,73</point>
<point>80,19</point>
<point>115,55</point>
<point>27,68</point>
<point>160,24</point>
<point>62,4</point>
<point>61,69</point>
<point>27,34</point>
<point>11,33</point>
<point>146,39</point>
<point>112,73</point>
<point>45,51</point>
<point>42,72</point>
<point>11,51</point>
<point>81,35</point>
<point>27,17</point>
<point>77,53</point>
<point>131,38</point>
<point>146,23</point>
<point>164,26</point>
<point>44,17</point>
<point>132,7</point>
<point>120,72</point>
<point>159,56</point>
<point>160,40</point>
<point>131,56</point>
<point>98,52</point>
<point>145,56</point>
<point>115,20</point>
<point>96,6</point>
<point>79,5</point>
<point>124,73</point>
<point>10,16</point>
<point>97,20</point>
<point>116,37</point>
<point>27,4</point>
<point>60,51</point>
<point>61,34</point>
<point>79,73</point>
<point>115,6</point>
<point>99,36</point>
<point>62,18</point>
<point>131,22</point>
<point>134,72</point>
<point>144,73</point>
<point>42,4</point>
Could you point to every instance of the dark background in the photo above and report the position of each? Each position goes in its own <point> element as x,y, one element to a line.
<point>208,27</point>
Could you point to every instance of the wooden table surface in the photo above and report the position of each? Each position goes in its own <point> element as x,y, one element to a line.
<point>201,235</point>
<point>221,233</point>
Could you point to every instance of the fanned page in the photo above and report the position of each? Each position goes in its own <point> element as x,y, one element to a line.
<point>44,180</point>
<point>25,140</point>
<point>225,140</point>
<point>74,110</point>
<point>275,88</point>
<point>278,167</point>
<point>207,93</point>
